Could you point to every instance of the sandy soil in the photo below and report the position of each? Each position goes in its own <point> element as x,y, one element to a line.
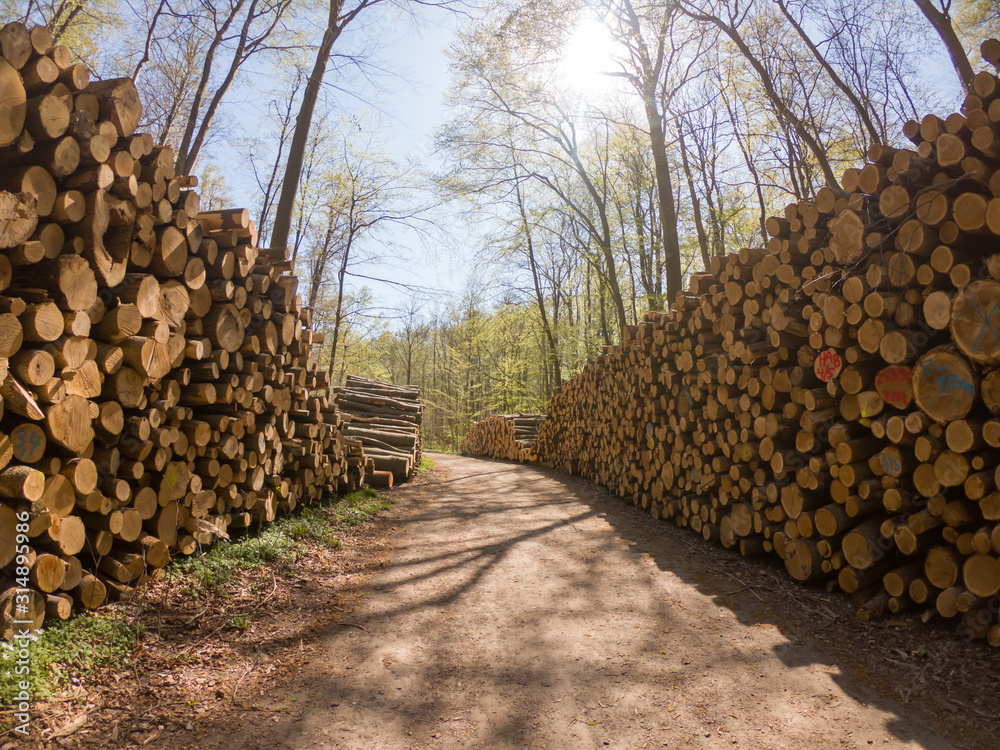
<point>523,609</point>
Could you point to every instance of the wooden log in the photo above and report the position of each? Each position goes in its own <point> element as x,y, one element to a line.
<point>69,280</point>
<point>399,467</point>
<point>119,103</point>
<point>69,424</point>
<point>974,321</point>
<point>15,44</point>
<point>863,545</point>
<point>11,334</point>
<point>380,479</point>
<point>944,385</point>
<point>20,616</point>
<point>847,234</point>
<point>46,117</point>
<point>21,483</point>
<point>31,180</point>
<point>224,327</point>
<point>42,322</point>
<point>90,593</point>
<point>47,573</point>
<point>27,444</point>
<point>12,99</point>
<point>802,560</point>
<point>58,606</point>
<point>18,217</point>
<point>19,400</point>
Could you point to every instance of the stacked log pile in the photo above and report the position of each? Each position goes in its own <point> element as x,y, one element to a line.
<point>834,397</point>
<point>155,364</point>
<point>509,436</point>
<point>385,419</point>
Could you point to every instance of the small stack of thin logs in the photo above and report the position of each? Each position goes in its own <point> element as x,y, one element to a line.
<point>509,436</point>
<point>386,419</point>
<point>155,364</point>
<point>833,398</point>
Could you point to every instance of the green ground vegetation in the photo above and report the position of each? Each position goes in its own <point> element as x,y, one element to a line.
<point>71,650</point>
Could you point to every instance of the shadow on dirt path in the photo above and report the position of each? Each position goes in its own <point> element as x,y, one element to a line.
<point>525,609</point>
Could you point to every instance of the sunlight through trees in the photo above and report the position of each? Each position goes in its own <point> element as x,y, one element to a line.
<point>591,154</point>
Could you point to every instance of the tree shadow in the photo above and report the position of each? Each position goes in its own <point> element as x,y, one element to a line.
<point>912,670</point>
<point>526,511</point>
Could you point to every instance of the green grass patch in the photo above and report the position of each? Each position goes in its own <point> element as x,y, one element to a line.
<point>282,543</point>
<point>272,547</point>
<point>322,524</point>
<point>451,450</point>
<point>67,650</point>
<point>425,465</point>
<point>309,525</point>
<point>73,649</point>
<point>239,622</point>
<point>354,508</point>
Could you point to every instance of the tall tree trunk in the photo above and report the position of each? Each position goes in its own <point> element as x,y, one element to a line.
<point>665,191</point>
<point>267,200</point>
<point>941,21</point>
<point>860,108</point>
<point>321,257</point>
<point>751,167</point>
<point>648,84</point>
<point>206,74</point>
<point>293,169</point>
<point>604,240</point>
<point>695,205</point>
<point>343,366</point>
<point>338,314</point>
<point>656,253</point>
<point>631,275</point>
<point>798,190</point>
<point>605,328</point>
<point>539,297</point>
<point>770,90</point>
<point>648,272</point>
<point>299,208</point>
<point>434,360</point>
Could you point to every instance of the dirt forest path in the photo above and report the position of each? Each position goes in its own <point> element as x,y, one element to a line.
<point>523,609</point>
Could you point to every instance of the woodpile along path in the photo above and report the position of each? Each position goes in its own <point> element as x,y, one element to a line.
<point>509,436</point>
<point>158,384</point>
<point>834,397</point>
<point>385,419</point>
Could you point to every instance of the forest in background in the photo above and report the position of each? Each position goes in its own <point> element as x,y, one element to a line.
<point>592,156</point>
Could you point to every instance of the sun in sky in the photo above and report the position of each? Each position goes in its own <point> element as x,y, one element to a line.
<point>588,57</point>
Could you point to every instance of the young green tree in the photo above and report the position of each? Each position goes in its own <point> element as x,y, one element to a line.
<point>510,123</point>
<point>360,192</point>
<point>732,18</point>
<point>661,53</point>
<point>340,15</point>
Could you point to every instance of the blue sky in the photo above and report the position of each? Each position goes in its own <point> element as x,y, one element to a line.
<point>407,98</point>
